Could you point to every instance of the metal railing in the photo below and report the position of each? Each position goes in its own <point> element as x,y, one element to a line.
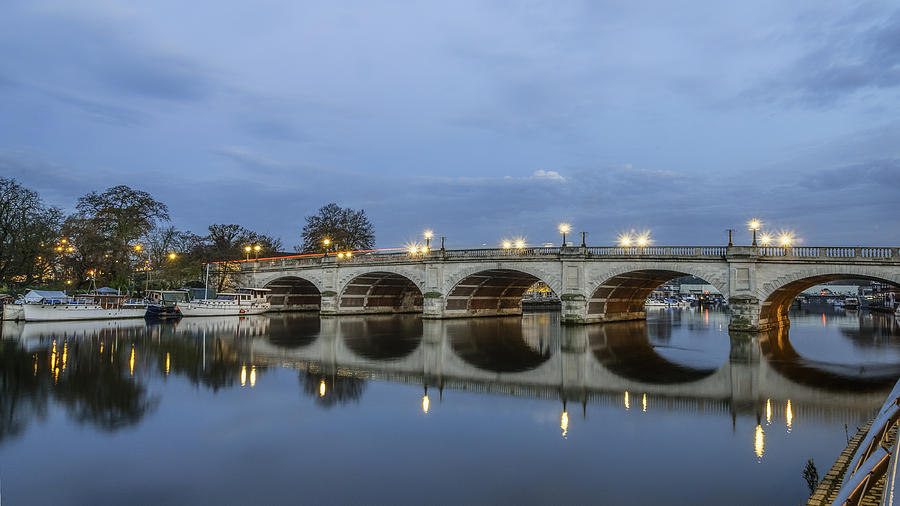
<point>875,457</point>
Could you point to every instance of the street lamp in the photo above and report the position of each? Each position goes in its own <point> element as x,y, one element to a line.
<point>256,249</point>
<point>507,245</point>
<point>785,240</point>
<point>563,228</point>
<point>428,235</point>
<point>247,250</point>
<point>624,240</point>
<point>765,239</point>
<point>172,256</point>
<point>754,226</point>
<point>325,242</point>
<point>520,243</point>
<point>139,249</point>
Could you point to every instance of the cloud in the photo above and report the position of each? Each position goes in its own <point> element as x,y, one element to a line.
<point>850,55</point>
<point>550,175</point>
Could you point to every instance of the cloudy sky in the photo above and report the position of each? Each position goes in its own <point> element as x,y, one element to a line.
<point>481,120</point>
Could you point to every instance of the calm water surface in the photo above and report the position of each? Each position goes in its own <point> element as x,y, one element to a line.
<point>286,409</point>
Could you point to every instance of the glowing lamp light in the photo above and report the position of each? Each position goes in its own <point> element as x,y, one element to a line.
<point>642,240</point>
<point>247,249</point>
<point>70,249</point>
<point>765,239</point>
<point>429,234</point>
<point>138,247</point>
<point>520,243</point>
<point>413,250</point>
<point>785,240</point>
<point>63,240</point>
<point>625,240</point>
<point>507,245</point>
<point>243,375</point>
<point>341,255</point>
<point>349,254</point>
<point>754,224</point>
<point>257,248</point>
<point>326,241</point>
<point>172,256</point>
<point>564,228</point>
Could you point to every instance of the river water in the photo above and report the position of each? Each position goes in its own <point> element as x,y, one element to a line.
<point>288,408</point>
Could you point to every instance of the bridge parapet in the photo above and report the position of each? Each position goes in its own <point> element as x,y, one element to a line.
<point>828,252</point>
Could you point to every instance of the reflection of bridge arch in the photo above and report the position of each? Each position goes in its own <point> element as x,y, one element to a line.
<point>294,331</point>
<point>381,338</point>
<point>491,292</point>
<point>624,349</point>
<point>622,293</point>
<point>776,297</point>
<point>380,292</point>
<point>776,347</point>
<point>293,293</point>
<point>501,345</point>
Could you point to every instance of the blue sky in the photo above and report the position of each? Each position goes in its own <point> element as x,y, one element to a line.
<point>481,120</point>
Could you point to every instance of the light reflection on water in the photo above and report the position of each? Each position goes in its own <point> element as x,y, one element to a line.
<point>494,401</point>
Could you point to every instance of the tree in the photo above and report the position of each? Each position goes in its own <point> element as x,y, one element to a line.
<point>345,228</point>
<point>106,229</point>
<point>227,242</point>
<point>28,232</point>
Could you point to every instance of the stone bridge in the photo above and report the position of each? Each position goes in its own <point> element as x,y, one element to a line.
<point>595,284</point>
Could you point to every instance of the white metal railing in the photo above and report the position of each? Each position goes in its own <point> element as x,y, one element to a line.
<point>875,457</point>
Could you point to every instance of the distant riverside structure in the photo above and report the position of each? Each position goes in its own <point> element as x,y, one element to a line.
<point>595,284</point>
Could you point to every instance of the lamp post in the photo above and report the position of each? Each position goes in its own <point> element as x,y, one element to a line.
<point>754,226</point>
<point>247,250</point>
<point>563,228</point>
<point>325,242</point>
<point>139,249</point>
<point>256,250</point>
<point>428,235</point>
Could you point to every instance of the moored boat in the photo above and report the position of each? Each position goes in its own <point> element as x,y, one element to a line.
<point>85,307</point>
<point>243,301</point>
<point>164,303</point>
<point>851,303</point>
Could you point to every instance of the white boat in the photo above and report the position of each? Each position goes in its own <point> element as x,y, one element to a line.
<point>85,307</point>
<point>656,303</point>
<point>851,303</point>
<point>243,301</point>
<point>13,311</point>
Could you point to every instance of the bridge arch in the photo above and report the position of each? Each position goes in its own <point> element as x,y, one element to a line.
<point>621,293</point>
<point>294,293</point>
<point>775,296</point>
<point>380,291</point>
<point>493,291</point>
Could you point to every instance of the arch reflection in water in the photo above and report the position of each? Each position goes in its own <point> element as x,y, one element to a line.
<point>505,344</point>
<point>381,337</point>
<point>775,345</point>
<point>625,349</point>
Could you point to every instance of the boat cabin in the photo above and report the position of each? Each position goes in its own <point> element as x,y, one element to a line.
<point>245,295</point>
<point>167,297</point>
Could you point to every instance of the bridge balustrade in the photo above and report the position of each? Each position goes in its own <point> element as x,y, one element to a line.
<point>829,252</point>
